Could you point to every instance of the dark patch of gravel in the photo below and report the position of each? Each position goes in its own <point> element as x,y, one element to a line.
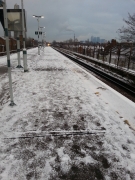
<point>49,69</point>
<point>80,172</point>
<point>3,69</point>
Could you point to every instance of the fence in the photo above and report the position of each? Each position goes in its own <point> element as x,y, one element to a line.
<point>122,56</point>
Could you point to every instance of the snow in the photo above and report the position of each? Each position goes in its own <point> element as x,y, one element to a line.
<point>112,64</point>
<point>58,95</point>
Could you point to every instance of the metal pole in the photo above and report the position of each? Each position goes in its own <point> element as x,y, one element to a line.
<point>41,36</point>
<point>43,40</point>
<point>129,58</point>
<point>38,37</point>
<point>110,55</point>
<point>118,56</point>
<point>8,54</point>
<point>18,51</point>
<point>24,48</point>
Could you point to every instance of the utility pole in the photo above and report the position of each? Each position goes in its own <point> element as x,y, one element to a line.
<point>42,35</point>
<point>18,43</point>
<point>44,40</point>
<point>38,37</point>
<point>24,48</point>
<point>18,51</point>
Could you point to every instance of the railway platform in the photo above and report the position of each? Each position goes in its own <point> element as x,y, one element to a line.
<point>66,124</point>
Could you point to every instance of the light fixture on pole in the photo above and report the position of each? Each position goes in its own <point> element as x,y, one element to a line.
<point>35,16</point>
<point>44,33</point>
<point>44,38</point>
<point>3,4</point>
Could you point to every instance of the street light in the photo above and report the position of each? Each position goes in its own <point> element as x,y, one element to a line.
<point>3,4</point>
<point>35,16</point>
<point>42,35</point>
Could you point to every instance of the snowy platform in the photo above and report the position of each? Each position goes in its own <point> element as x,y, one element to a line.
<point>93,124</point>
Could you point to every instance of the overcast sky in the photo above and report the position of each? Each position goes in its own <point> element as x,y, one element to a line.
<point>99,18</point>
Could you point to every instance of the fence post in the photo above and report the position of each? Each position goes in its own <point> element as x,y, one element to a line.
<point>129,58</point>
<point>118,56</point>
<point>94,52</point>
<point>110,55</point>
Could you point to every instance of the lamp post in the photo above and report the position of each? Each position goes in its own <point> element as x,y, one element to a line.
<point>3,4</point>
<point>24,48</point>
<point>42,35</point>
<point>35,16</point>
<point>44,38</point>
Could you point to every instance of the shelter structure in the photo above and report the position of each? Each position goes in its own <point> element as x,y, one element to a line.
<point>2,44</point>
<point>13,44</point>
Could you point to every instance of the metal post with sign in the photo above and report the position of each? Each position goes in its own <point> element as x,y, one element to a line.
<point>3,4</point>
<point>38,30</point>
<point>18,43</point>
<point>14,17</point>
<point>38,33</point>
<point>18,51</point>
<point>24,48</point>
<point>41,35</point>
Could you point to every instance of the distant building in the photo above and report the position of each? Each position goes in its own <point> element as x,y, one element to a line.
<point>95,39</point>
<point>82,41</point>
<point>12,44</point>
<point>2,44</point>
<point>91,38</point>
<point>98,39</point>
<point>103,41</point>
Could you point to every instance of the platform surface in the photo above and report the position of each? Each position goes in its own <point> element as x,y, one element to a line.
<point>66,124</point>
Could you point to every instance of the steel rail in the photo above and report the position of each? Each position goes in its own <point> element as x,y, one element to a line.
<point>60,133</point>
<point>127,87</point>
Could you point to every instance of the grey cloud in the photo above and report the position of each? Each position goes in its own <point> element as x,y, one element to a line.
<point>84,17</point>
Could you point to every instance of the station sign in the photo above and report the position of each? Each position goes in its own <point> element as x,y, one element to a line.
<point>14,17</point>
<point>36,33</point>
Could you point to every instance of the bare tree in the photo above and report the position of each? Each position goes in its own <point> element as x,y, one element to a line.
<point>128,33</point>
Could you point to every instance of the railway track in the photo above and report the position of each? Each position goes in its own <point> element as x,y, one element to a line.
<point>128,88</point>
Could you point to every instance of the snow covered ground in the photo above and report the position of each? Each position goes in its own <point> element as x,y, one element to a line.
<point>92,138</point>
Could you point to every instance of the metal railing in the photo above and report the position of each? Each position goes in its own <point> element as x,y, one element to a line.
<point>120,58</point>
